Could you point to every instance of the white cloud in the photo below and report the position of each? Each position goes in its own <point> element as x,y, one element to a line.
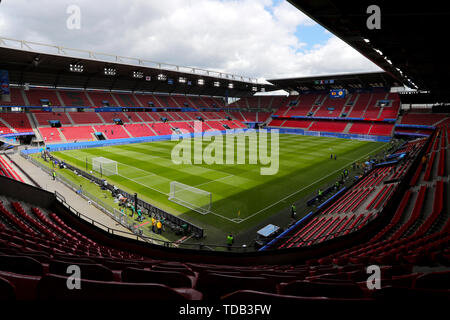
<point>236,36</point>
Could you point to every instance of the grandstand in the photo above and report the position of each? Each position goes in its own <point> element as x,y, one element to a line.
<point>392,211</point>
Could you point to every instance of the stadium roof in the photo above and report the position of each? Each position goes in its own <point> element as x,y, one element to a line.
<point>47,65</point>
<point>340,81</point>
<point>411,44</point>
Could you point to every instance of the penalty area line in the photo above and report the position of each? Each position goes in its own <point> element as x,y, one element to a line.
<point>304,188</point>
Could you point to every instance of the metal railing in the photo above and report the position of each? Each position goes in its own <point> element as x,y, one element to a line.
<point>105,57</point>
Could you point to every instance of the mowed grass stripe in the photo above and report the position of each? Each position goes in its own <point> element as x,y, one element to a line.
<point>303,160</point>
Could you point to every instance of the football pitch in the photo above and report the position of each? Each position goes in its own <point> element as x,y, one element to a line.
<point>241,196</point>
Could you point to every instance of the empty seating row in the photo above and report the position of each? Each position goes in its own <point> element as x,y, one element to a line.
<point>328,126</point>
<point>430,119</point>
<point>139,130</point>
<point>50,135</point>
<point>78,133</point>
<point>17,120</point>
<point>112,131</point>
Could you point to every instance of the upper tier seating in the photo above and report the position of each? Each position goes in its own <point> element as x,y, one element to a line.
<point>98,98</point>
<point>213,102</point>
<point>126,100</point>
<point>360,105</point>
<point>330,108</point>
<point>72,98</point>
<point>110,116</point>
<point>181,101</point>
<point>4,129</point>
<point>17,120</point>
<point>197,102</point>
<point>134,116</point>
<point>85,117</point>
<point>249,116</point>
<point>430,119</point>
<point>238,116</point>
<point>145,100</point>
<point>15,97</point>
<point>145,116</point>
<point>263,116</point>
<point>35,95</point>
<point>43,118</point>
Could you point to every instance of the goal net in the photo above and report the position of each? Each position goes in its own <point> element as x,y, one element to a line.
<point>190,197</point>
<point>104,166</point>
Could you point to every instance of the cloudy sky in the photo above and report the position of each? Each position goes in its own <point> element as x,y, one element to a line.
<point>254,38</point>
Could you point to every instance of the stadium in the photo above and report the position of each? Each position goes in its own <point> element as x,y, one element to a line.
<point>161,182</point>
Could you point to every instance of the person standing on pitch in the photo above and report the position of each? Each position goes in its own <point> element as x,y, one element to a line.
<point>230,241</point>
<point>159,226</point>
<point>293,211</point>
<point>153,224</point>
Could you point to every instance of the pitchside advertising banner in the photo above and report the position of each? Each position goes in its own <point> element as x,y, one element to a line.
<point>4,82</point>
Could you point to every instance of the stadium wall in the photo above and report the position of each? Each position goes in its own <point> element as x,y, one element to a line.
<point>346,119</point>
<point>333,135</point>
<point>118,142</point>
<point>115,142</point>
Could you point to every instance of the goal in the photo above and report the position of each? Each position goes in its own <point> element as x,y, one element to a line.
<point>190,197</point>
<point>104,166</point>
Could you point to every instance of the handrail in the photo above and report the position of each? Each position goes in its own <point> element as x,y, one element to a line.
<point>106,57</point>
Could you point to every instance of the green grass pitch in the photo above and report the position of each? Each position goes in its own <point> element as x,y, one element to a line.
<point>241,196</point>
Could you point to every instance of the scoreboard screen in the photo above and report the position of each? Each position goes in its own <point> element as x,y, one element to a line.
<point>336,94</point>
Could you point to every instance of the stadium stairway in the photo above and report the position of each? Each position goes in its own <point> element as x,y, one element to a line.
<point>347,128</point>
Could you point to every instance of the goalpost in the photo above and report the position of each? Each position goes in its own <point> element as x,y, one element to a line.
<point>105,166</point>
<point>190,197</point>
